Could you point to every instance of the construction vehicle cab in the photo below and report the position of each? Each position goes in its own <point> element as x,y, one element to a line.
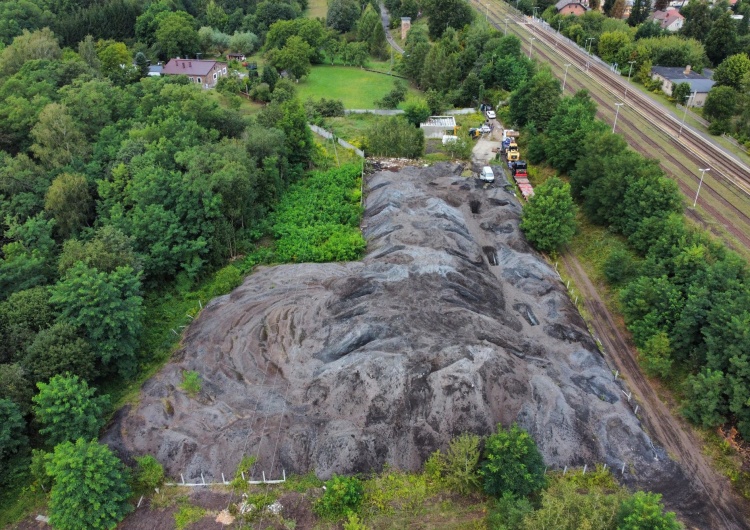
<point>513,153</point>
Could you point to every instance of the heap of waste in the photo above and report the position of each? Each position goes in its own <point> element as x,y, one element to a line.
<point>450,323</point>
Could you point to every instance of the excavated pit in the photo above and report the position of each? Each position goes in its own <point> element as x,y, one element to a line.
<point>450,323</point>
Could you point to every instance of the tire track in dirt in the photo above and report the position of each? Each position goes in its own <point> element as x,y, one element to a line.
<point>677,439</point>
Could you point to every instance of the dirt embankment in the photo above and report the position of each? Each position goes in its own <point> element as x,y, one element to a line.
<point>451,323</point>
<point>722,508</point>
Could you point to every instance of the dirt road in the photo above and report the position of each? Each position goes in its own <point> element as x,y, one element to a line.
<point>722,506</point>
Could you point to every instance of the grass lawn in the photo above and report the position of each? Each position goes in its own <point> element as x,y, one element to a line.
<point>357,88</point>
<point>317,9</point>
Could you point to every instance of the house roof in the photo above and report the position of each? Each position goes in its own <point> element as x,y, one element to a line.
<point>667,18</point>
<point>155,69</point>
<point>562,3</point>
<point>188,67</point>
<point>697,82</point>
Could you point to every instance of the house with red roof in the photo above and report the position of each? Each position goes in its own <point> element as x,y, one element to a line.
<point>571,7</point>
<point>671,19</point>
<point>205,73</point>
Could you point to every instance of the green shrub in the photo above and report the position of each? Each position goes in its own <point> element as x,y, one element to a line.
<point>343,495</point>
<point>644,510</point>
<point>512,463</point>
<point>461,462</point>
<point>508,512</point>
<point>393,136</point>
<point>353,523</point>
<point>188,515</point>
<point>318,219</point>
<point>191,382</point>
<point>149,472</point>
<point>225,280</point>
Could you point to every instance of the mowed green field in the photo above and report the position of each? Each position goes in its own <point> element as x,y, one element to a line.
<point>317,8</point>
<point>357,88</point>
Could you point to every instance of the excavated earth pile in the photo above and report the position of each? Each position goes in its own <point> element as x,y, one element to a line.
<point>451,323</point>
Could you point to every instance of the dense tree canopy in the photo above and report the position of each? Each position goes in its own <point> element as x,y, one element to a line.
<point>444,14</point>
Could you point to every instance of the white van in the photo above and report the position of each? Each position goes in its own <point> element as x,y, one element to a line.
<point>487,175</point>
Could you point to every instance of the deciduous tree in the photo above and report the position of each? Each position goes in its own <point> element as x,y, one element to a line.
<point>12,427</point>
<point>294,57</point>
<point>57,350</point>
<point>443,14</point>
<point>721,103</point>
<point>108,307</point>
<point>90,486</point>
<point>549,218</point>
<point>57,138</point>
<point>342,15</point>
<point>732,71</point>
<point>176,34</point>
<point>67,409</point>
<point>69,201</point>
<point>721,41</point>
<point>394,137</point>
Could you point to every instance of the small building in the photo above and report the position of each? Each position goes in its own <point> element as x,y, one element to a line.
<point>669,76</point>
<point>670,20</point>
<point>405,27</point>
<point>571,7</point>
<point>236,57</point>
<point>201,72</point>
<point>438,126</point>
<point>155,70</point>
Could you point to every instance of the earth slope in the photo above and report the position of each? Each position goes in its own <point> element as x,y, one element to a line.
<point>451,323</point>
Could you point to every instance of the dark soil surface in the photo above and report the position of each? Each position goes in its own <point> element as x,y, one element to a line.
<point>450,323</point>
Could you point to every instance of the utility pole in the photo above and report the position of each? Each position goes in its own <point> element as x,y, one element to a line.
<point>703,172</point>
<point>629,72</point>
<point>687,104</point>
<point>557,40</point>
<point>531,45</point>
<point>565,77</point>
<point>617,112</point>
<point>589,41</point>
<point>534,16</point>
<point>506,27</point>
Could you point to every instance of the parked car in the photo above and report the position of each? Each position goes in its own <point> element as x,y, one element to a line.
<point>484,129</point>
<point>491,115</point>
<point>487,175</point>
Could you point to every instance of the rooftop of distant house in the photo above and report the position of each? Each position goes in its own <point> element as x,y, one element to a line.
<point>562,3</point>
<point>189,66</point>
<point>666,18</point>
<point>676,74</point>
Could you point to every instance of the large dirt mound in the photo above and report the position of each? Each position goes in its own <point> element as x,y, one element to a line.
<point>451,323</point>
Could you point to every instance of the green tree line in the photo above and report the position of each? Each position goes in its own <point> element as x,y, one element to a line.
<point>685,297</point>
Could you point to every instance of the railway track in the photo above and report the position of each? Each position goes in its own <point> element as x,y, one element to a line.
<point>629,129</point>
<point>725,196</point>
